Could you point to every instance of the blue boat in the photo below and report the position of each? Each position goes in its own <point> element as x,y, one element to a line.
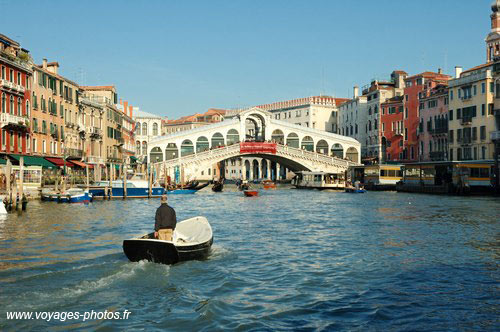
<point>135,189</point>
<point>355,191</point>
<point>182,191</point>
<point>75,195</point>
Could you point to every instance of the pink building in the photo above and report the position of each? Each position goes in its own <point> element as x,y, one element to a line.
<point>433,125</point>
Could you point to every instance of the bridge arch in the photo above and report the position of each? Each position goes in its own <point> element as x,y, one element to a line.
<point>278,136</point>
<point>187,148</point>
<point>171,151</point>
<point>202,144</point>
<point>232,137</point>
<point>156,155</point>
<point>322,147</point>
<point>292,140</point>
<point>352,154</point>
<point>337,151</point>
<point>217,140</point>
<point>307,143</point>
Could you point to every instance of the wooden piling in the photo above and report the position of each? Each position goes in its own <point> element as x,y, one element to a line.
<point>111,178</point>
<point>150,182</point>
<point>124,180</point>
<point>8,171</point>
<point>87,175</point>
<point>21,178</point>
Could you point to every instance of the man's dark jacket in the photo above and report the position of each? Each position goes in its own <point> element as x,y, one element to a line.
<point>165,218</point>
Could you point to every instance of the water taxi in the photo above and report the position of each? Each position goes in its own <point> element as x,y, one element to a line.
<point>319,180</point>
<point>378,177</point>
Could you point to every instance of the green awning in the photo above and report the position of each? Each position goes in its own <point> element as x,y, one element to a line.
<point>34,161</point>
<point>3,161</point>
<point>133,158</point>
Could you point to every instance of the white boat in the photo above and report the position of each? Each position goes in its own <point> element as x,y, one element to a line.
<point>137,186</point>
<point>75,195</point>
<point>319,180</point>
<point>192,239</point>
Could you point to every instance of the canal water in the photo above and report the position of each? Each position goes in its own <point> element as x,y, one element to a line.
<point>289,259</point>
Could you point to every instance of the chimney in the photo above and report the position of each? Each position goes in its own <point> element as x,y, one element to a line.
<point>440,71</point>
<point>458,71</point>
<point>356,92</point>
<point>44,63</point>
<point>121,103</point>
<point>125,106</point>
<point>130,109</point>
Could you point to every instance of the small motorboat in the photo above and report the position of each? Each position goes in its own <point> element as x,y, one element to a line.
<point>192,239</point>
<point>251,193</point>
<point>217,187</point>
<point>75,195</point>
<point>181,191</point>
<point>355,191</point>
<point>268,184</point>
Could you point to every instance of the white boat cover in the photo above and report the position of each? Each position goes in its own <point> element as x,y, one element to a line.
<point>192,231</point>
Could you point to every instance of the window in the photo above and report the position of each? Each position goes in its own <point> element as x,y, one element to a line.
<point>4,103</point>
<point>19,107</point>
<point>483,87</point>
<point>483,152</point>
<point>492,87</point>
<point>482,132</point>
<point>474,134</point>
<point>450,115</point>
<point>451,94</point>
<point>406,113</point>
<point>474,88</point>
<point>3,72</point>
<point>490,109</point>
<point>44,147</point>
<point>11,76</point>
<point>483,109</point>
<point>145,129</point>
<point>450,137</point>
<point>4,139</point>
<point>28,109</point>
<point>406,134</point>
<point>11,108</point>
<point>11,140</point>
<point>459,113</point>
<point>18,78</point>
<point>155,129</point>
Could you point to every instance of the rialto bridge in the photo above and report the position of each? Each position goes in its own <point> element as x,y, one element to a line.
<point>252,133</point>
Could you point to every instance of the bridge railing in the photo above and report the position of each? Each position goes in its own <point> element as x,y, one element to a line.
<point>315,156</point>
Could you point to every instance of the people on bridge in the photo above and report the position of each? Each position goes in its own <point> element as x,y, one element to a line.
<point>165,221</point>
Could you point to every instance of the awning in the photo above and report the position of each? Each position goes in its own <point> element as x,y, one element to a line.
<point>82,164</point>
<point>34,161</point>
<point>3,161</point>
<point>59,162</point>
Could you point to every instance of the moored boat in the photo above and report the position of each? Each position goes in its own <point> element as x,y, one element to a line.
<point>192,239</point>
<point>251,193</point>
<point>181,191</point>
<point>318,180</point>
<point>268,184</point>
<point>75,195</point>
<point>355,191</point>
<point>218,187</point>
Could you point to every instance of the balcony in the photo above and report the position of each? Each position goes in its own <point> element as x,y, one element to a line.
<point>397,132</point>
<point>495,135</point>
<point>74,153</point>
<point>439,131</point>
<point>464,140</point>
<point>95,160</point>
<point>14,121</point>
<point>437,155</point>
<point>465,121</point>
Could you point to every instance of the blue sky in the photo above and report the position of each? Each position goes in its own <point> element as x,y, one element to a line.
<point>175,58</point>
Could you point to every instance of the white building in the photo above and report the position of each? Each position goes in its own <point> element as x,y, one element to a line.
<point>147,127</point>
<point>353,119</point>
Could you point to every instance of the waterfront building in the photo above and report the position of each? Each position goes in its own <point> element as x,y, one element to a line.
<point>55,125</point>
<point>93,121</point>
<point>433,126</point>
<point>377,92</point>
<point>392,129</point>
<point>15,97</point>
<point>414,85</point>
<point>147,127</point>
<point>113,141</point>
<point>128,131</point>
<point>352,119</point>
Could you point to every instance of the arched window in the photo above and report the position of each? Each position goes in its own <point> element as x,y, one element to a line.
<point>145,129</point>
<point>155,129</point>
<point>28,109</point>
<point>4,103</point>
<point>138,147</point>
<point>138,130</point>
<point>11,109</point>
<point>19,107</point>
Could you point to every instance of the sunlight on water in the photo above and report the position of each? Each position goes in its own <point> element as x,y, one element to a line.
<point>288,259</point>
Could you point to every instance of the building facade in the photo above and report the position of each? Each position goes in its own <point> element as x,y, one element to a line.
<point>352,119</point>
<point>414,85</point>
<point>392,129</point>
<point>433,127</point>
<point>147,127</point>
<point>15,97</point>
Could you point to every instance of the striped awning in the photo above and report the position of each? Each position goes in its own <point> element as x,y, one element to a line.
<point>82,164</point>
<point>59,162</point>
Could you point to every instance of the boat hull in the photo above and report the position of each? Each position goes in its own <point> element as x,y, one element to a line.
<point>182,191</point>
<point>355,191</point>
<point>164,252</point>
<point>117,192</point>
<point>251,193</point>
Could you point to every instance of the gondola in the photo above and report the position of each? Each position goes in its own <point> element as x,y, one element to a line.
<point>201,186</point>
<point>217,187</point>
<point>192,239</point>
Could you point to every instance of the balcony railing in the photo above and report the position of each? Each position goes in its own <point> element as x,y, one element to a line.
<point>9,119</point>
<point>439,130</point>
<point>466,121</point>
<point>74,153</point>
<point>95,160</point>
<point>495,135</point>
<point>437,155</point>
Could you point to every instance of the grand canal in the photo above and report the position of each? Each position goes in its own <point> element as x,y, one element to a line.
<point>286,260</point>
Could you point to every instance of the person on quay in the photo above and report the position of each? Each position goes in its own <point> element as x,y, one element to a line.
<point>165,221</point>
